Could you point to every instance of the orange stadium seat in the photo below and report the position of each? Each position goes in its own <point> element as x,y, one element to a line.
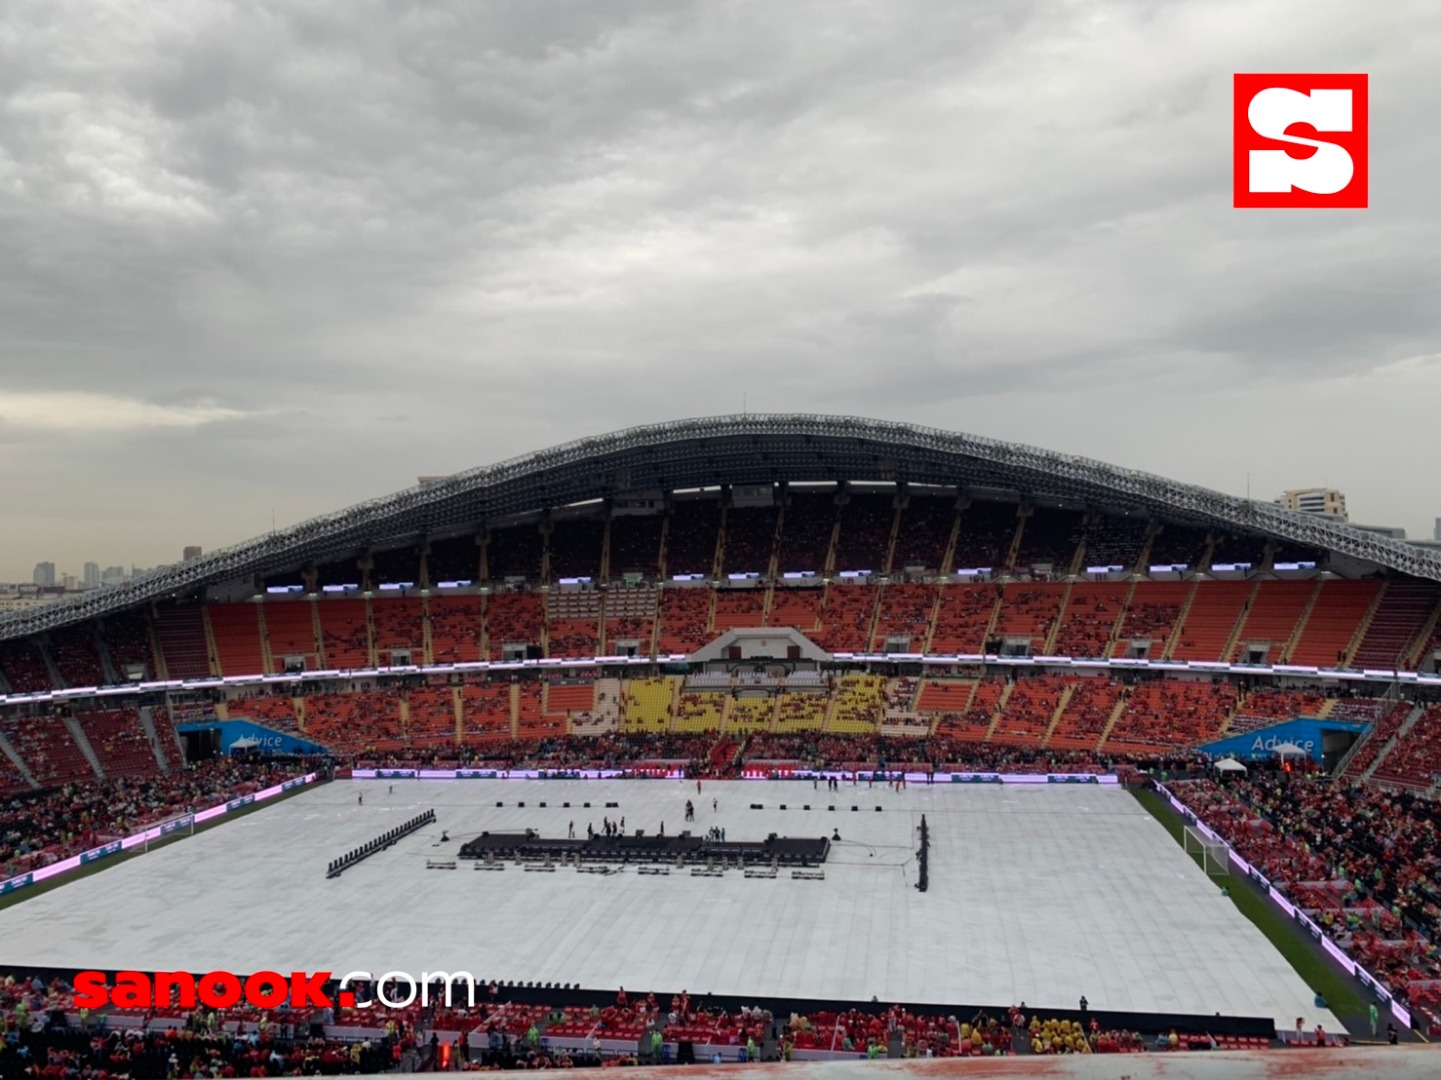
<point>181,632</point>
<point>846,613</point>
<point>455,629</point>
<point>1271,619</point>
<point>399,628</point>
<point>684,618</point>
<point>1212,620</point>
<point>76,656</point>
<point>23,666</point>
<point>904,611</point>
<point>290,628</point>
<point>1340,609</point>
<point>344,634</point>
<point>739,608</point>
<point>485,712</point>
<point>1405,607</point>
<point>798,608</point>
<point>237,638</point>
<point>962,618</point>
<point>1090,616</point>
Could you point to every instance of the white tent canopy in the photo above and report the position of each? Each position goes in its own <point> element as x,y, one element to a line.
<point>1287,748</point>
<point>1229,764</point>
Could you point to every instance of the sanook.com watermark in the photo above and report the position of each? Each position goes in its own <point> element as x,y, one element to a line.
<point>271,989</point>
<point>1301,141</point>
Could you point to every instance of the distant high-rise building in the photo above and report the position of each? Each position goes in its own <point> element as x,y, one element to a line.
<point>1436,533</point>
<point>192,551</point>
<point>71,582</point>
<point>44,573</point>
<point>1325,501</point>
<point>92,575</point>
<point>113,575</point>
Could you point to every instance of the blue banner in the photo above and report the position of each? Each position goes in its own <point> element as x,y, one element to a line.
<point>100,852</point>
<point>1305,735</point>
<point>16,883</point>
<point>186,822</point>
<point>244,735</point>
<point>1072,780</point>
<point>475,774</point>
<point>236,804</point>
<point>975,778</point>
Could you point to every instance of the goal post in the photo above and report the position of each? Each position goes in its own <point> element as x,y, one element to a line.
<point>1214,854</point>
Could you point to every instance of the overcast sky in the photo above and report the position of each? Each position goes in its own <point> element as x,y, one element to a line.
<point>284,257</point>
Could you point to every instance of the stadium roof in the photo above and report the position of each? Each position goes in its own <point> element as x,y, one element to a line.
<point>737,450</point>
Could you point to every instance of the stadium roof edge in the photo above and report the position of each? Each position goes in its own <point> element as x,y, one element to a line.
<point>746,449</point>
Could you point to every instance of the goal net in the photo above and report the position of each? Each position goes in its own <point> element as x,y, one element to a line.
<point>1213,853</point>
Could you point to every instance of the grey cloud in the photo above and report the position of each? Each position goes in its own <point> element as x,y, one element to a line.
<point>408,238</point>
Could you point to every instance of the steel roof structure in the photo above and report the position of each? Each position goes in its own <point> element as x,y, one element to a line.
<point>730,450</point>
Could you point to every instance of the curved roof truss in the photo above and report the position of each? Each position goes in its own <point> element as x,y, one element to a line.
<point>713,451</point>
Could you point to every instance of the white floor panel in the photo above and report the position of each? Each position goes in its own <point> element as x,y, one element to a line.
<point>1037,893</point>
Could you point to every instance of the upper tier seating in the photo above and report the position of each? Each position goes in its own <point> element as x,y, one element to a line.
<point>739,608</point>
<point>684,618</point>
<point>1049,541</point>
<point>926,525</point>
<point>749,539</point>
<point>290,626</point>
<point>237,637</point>
<point>806,532</point>
<point>1403,611</point>
<point>127,639</point>
<point>1340,609</point>
<point>962,618</point>
<point>799,608</point>
<point>399,627</point>
<point>1269,621</point>
<point>181,632</point>
<point>73,648</point>
<point>691,536</point>
<point>1089,618</point>
<point>516,619</point>
<point>865,532</point>
<point>904,612</point>
<point>515,553</point>
<point>1029,612</point>
<point>984,541</point>
<point>455,629</point>
<point>1211,620</point>
<point>575,549</point>
<point>23,666</point>
<point>345,634</point>
<point>846,618</point>
<point>1151,615</point>
<point>635,545</point>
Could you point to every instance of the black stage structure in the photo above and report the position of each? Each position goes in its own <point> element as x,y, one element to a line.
<point>639,848</point>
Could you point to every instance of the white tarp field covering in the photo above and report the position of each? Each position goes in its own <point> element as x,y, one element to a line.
<point>1039,893</point>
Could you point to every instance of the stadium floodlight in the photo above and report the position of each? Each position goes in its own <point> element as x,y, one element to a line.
<point>1214,853</point>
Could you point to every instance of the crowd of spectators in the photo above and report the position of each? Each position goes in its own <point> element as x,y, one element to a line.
<point>41,828</point>
<point>1364,864</point>
<point>43,1034</point>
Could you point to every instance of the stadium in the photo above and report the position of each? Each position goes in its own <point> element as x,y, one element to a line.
<point>864,724</point>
